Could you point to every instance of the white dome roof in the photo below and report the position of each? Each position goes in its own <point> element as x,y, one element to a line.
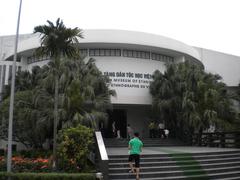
<point>121,37</point>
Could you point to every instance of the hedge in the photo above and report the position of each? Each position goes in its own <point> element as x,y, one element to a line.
<point>47,176</point>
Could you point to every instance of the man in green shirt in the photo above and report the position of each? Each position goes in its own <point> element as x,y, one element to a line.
<point>135,147</point>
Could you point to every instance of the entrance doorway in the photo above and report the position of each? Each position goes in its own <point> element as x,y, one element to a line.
<point>120,118</point>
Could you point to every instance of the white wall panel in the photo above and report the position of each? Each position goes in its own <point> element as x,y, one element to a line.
<point>226,65</point>
<point>138,93</point>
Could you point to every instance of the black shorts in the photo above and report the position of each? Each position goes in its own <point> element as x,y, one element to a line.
<point>136,158</point>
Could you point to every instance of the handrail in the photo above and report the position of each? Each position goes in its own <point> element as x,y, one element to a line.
<point>217,139</point>
<point>102,157</point>
<point>101,146</point>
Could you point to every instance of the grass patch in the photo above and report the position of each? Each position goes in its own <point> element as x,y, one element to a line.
<point>187,164</point>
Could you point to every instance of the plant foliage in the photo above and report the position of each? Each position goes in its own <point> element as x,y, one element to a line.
<point>190,100</point>
<point>74,145</point>
<point>47,176</point>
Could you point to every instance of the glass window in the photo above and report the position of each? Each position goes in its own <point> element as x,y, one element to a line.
<point>97,52</point>
<point>129,53</point>
<point>4,74</point>
<point>138,54</point>
<point>125,53</point>
<point>160,57</point>
<point>118,52</point>
<point>134,54</point>
<point>112,52</point>
<point>10,73</point>
<point>108,52</point>
<point>91,52</point>
<point>18,59</point>
<point>153,56</point>
<point>101,52</point>
<point>147,55</point>
<point>164,58</point>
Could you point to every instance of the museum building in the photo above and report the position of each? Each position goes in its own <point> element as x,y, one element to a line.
<point>129,59</point>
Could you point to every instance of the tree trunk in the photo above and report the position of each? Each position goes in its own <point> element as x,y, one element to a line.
<point>55,123</point>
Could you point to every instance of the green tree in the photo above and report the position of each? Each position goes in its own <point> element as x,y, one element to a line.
<point>32,116</point>
<point>30,126</point>
<point>84,97</point>
<point>191,100</point>
<point>25,80</point>
<point>57,42</point>
<point>87,96</point>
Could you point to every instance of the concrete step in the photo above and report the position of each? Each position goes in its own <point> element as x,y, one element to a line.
<point>113,142</point>
<point>215,176</point>
<point>203,173</point>
<point>218,164</point>
<point>171,163</point>
<point>176,157</point>
<point>212,164</point>
<point>182,154</point>
<point>176,167</point>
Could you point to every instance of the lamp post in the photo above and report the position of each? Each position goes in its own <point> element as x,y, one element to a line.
<point>10,123</point>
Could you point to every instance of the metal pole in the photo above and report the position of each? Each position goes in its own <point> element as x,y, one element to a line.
<point>9,155</point>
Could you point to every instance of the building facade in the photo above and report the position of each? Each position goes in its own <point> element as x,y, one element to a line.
<point>129,59</point>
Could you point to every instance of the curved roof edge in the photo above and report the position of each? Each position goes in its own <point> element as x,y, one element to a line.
<point>121,37</point>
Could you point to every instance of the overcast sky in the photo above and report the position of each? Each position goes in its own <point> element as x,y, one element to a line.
<point>211,24</point>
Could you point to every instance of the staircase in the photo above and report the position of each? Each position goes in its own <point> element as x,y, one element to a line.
<point>224,165</point>
<point>147,142</point>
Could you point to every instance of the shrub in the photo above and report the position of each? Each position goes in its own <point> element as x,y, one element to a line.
<point>46,176</point>
<point>33,153</point>
<point>3,166</point>
<point>2,152</point>
<point>20,164</point>
<point>74,146</point>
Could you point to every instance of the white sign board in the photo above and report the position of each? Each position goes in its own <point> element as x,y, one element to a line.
<point>129,77</point>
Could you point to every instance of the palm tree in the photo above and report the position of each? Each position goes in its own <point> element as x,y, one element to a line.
<point>191,99</point>
<point>57,42</point>
<point>32,118</point>
<point>85,95</point>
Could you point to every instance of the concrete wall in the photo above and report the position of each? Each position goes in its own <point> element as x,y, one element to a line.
<point>226,65</point>
<point>20,146</point>
<point>7,44</point>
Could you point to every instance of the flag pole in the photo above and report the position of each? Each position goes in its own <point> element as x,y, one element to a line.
<point>10,124</point>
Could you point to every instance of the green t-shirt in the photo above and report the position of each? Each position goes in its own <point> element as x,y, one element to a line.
<point>135,145</point>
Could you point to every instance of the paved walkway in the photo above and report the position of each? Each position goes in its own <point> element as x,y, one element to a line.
<point>165,150</point>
